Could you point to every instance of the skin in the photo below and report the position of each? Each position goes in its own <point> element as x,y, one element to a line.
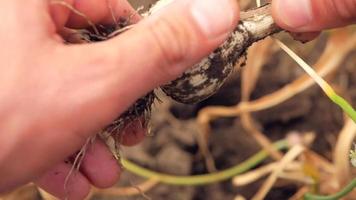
<point>54,96</point>
<point>323,14</point>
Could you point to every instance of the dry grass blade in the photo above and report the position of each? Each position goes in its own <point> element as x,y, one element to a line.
<point>341,152</point>
<point>252,176</point>
<point>296,177</point>
<point>325,86</point>
<point>292,154</point>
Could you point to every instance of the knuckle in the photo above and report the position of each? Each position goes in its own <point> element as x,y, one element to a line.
<point>171,42</point>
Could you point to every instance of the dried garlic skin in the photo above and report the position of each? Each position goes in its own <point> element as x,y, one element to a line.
<point>205,78</point>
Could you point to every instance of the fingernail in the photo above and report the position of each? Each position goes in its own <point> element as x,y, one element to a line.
<point>295,13</point>
<point>214,17</point>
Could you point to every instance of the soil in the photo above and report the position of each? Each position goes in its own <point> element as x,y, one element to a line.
<point>173,148</point>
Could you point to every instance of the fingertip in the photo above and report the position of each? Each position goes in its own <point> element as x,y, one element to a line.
<point>60,13</point>
<point>309,15</point>
<point>100,166</point>
<point>277,15</point>
<point>133,133</point>
<point>54,182</point>
<point>305,37</point>
<point>292,15</point>
<point>215,18</point>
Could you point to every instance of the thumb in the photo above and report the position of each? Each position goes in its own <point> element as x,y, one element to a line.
<point>161,47</point>
<point>313,15</point>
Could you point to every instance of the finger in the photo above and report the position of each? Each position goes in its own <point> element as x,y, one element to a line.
<point>313,15</point>
<point>60,13</point>
<point>53,182</point>
<point>159,48</point>
<point>100,166</point>
<point>305,37</point>
<point>133,133</point>
<point>97,11</point>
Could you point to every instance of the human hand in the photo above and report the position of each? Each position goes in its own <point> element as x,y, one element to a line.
<point>313,16</point>
<point>54,96</point>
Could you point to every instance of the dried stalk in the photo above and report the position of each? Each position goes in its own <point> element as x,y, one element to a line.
<point>343,146</point>
<point>288,158</point>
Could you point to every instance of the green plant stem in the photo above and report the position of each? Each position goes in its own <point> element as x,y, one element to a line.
<point>205,178</point>
<point>347,189</point>
<point>344,105</point>
<point>329,91</point>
